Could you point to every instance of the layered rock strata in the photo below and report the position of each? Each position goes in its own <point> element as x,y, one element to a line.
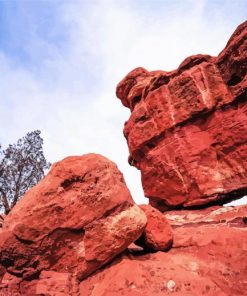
<point>187,132</point>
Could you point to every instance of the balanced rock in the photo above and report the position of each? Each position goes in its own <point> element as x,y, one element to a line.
<point>187,132</point>
<point>158,235</point>
<point>76,219</point>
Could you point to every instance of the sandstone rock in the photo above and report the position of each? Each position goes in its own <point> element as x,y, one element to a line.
<point>187,132</point>
<point>208,258</point>
<point>50,283</point>
<point>158,234</point>
<point>10,286</point>
<point>187,135</point>
<point>2,272</point>
<point>75,220</point>
<point>232,62</point>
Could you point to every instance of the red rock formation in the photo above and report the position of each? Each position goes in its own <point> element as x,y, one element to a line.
<point>187,132</point>
<point>49,283</point>
<point>2,272</point>
<point>208,258</point>
<point>75,220</point>
<point>187,135</point>
<point>158,234</point>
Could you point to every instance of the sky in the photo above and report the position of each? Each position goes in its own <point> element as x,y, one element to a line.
<point>60,62</point>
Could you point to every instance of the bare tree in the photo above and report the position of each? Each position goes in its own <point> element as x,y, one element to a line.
<point>22,165</point>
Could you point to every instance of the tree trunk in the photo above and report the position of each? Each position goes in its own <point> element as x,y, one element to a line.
<point>5,202</point>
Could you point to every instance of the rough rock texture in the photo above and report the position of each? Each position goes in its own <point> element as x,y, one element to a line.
<point>2,272</point>
<point>187,132</point>
<point>50,283</point>
<point>158,234</point>
<point>75,220</point>
<point>208,258</point>
<point>187,135</point>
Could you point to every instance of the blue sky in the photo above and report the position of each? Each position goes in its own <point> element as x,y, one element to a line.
<point>60,62</point>
<point>25,22</point>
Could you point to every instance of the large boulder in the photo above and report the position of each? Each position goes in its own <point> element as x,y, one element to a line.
<point>79,217</point>
<point>187,132</point>
<point>208,258</point>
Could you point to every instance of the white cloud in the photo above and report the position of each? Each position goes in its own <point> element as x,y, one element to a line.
<point>71,96</point>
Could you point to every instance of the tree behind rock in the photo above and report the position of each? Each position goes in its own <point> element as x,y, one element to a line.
<point>22,165</point>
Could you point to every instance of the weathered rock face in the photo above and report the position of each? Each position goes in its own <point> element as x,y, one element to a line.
<point>208,258</point>
<point>75,220</point>
<point>2,272</point>
<point>187,135</point>
<point>49,283</point>
<point>158,234</point>
<point>187,132</point>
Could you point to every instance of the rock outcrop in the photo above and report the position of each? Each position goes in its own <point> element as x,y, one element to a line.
<point>208,258</point>
<point>79,217</point>
<point>79,233</point>
<point>187,130</point>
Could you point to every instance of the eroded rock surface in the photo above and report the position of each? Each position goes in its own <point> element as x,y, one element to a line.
<point>158,234</point>
<point>187,132</point>
<point>208,258</point>
<point>79,217</point>
<point>73,234</point>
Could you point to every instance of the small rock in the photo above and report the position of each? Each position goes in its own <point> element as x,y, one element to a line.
<point>158,235</point>
<point>170,285</point>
